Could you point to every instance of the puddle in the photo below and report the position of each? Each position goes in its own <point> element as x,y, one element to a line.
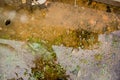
<point>78,28</point>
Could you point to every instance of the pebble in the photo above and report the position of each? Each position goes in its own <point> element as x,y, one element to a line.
<point>0,28</point>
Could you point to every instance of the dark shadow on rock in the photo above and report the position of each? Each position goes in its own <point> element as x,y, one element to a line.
<point>117,70</point>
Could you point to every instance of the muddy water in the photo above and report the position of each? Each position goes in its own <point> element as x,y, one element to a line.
<point>59,24</point>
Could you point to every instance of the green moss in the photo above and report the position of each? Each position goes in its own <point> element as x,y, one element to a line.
<point>47,70</point>
<point>5,36</point>
<point>84,61</point>
<point>98,57</point>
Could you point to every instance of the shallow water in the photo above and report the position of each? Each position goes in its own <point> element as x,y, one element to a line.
<point>79,27</point>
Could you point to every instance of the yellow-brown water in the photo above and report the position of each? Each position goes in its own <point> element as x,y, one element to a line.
<point>61,24</point>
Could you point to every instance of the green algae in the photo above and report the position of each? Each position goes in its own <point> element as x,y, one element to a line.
<point>98,57</point>
<point>48,70</point>
<point>77,38</point>
<point>46,67</point>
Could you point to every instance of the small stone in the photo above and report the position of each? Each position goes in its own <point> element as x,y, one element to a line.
<point>23,1</point>
<point>0,28</point>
